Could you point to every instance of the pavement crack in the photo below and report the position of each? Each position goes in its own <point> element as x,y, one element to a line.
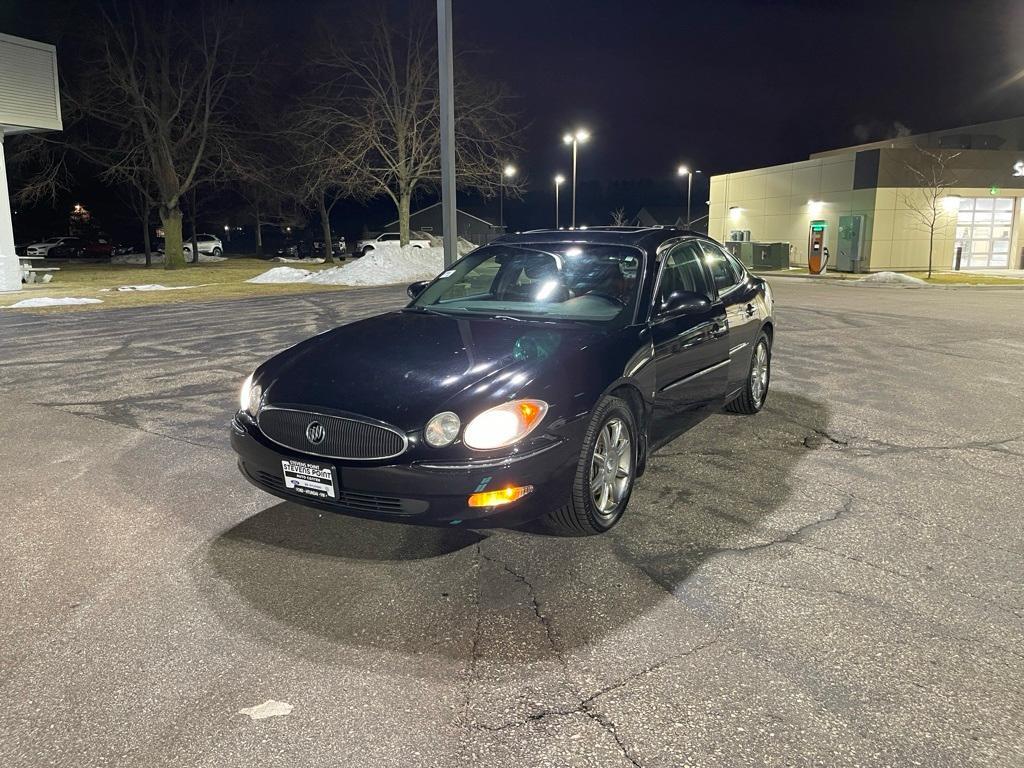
<point>544,620</point>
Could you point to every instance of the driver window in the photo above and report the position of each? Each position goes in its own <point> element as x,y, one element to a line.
<point>721,271</point>
<point>682,272</point>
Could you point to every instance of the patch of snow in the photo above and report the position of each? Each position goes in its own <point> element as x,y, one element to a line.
<point>154,287</point>
<point>891,278</point>
<point>307,260</point>
<point>281,275</point>
<point>158,258</point>
<point>386,264</point>
<point>47,301</point>
<point>268,708</point>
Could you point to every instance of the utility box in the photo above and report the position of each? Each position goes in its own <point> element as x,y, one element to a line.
<point>850,256</point>
<point>761,257</point>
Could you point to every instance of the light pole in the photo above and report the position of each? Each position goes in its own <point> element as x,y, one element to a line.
<point>684,171</point>
<point>559,181</point>
<point>580,136</point>
<point>506,173</point>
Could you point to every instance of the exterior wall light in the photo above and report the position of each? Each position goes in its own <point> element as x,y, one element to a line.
<point>951,203</point>
<point>814,207</point>
<point>735,212</point>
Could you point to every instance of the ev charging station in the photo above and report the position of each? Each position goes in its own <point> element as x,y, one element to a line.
<point>29,101</point>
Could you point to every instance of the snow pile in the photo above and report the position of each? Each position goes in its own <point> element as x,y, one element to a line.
<point>158,258</point>
<point>281,275</point>
<point>462,245</point>
<point>891,278</point>
<point>305,260</point>
<point>154,287</point>
<point>386,264</point>
<point>47,301</point>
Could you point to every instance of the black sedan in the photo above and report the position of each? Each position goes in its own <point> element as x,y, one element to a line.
<point>532,379</point>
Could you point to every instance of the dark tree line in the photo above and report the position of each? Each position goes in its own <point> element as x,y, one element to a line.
<point>167,103</point>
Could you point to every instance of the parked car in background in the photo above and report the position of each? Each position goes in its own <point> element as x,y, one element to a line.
<point>532,379</point>
<point>339,248</point>
<point>68,248</point>
<point>98,248</point>
<point>210,244</point>
<point>43,247</point>
<point>416,240</point>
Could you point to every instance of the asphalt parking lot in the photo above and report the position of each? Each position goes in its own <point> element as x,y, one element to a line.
<point>835,582</point>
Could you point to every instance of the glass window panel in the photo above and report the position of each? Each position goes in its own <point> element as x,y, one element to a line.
<point>1000,246</point>
<point>1003,217</point>
<point>1001,232</point>
<point>981,233</point>
<point>980,246</point>
<point>1004,203</point>
<point>963,233</point>
<point>966,203</point>
<point>984,204</point>
<point>998,261</point>
<point>965,217</point>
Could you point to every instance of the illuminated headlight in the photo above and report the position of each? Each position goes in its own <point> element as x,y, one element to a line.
<point>250,396</point>
<point>504,424</point>
<point>442,429</point>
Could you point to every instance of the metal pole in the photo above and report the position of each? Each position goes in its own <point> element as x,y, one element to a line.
<point>574,182</point>
<point>689,190</point>
<point>556,204</point>
<point>447,90</point>
<point>10,265</point>
<point>501,201</point>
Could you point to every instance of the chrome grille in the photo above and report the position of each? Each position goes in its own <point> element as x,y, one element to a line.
<point>343,438</point>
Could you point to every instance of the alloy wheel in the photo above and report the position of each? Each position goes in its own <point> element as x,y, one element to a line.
<point>759,373</point>
<point>611,468</point>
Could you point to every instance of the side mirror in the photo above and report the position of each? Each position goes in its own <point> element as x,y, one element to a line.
<point>678,302</point>
<point>415,289</point>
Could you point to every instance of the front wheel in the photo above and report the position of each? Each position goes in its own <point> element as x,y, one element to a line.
<point>755,389</point>
<point>217,252</point>
<point>604,474</point>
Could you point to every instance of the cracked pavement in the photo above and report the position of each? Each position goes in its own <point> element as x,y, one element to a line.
<point>836,581</point>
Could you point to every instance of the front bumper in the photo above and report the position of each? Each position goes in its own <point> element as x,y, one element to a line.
<point>417,493</point>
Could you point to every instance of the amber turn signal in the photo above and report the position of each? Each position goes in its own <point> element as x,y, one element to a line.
<point>506,495</point>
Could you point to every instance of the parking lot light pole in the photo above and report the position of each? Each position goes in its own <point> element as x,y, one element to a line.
<point>580,136</point>
<point>506,173</point>
<point>684,171</point>
<point>559,181</point>
<point>445,77</point>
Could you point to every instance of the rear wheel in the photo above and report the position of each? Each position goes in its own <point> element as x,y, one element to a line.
<point>605,473</point>
<point>217,251</point>
<point>755,389</point>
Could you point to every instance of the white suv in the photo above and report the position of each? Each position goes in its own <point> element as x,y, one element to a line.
<point>416,240</point>
<point>43,248</point>
<point>210,244</point>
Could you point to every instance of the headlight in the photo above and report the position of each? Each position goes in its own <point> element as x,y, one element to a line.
<point>250,396</point>
<point>442,429</point>
<point>504,424</point>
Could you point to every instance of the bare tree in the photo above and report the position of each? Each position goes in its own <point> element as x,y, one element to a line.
<point>932,178</point>
<point>153,98</point>
<point>389,114</point>
<point>619,218</point>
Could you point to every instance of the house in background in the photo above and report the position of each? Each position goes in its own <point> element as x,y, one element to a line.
<point>29,101</point>
<point>471,227</point>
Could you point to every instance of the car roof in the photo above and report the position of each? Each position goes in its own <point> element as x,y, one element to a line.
<point>647,238</point>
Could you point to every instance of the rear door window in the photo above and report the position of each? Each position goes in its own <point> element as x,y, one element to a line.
<point>722,272</point>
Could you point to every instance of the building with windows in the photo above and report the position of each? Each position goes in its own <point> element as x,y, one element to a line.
<point>29,101</point>
<point>872,205</point>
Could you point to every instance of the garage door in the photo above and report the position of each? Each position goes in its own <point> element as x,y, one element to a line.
<point>984,226</point>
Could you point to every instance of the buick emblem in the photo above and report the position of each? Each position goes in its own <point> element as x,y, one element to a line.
<point>315,432</point>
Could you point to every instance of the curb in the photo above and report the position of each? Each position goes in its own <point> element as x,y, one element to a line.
<point>852,281</point>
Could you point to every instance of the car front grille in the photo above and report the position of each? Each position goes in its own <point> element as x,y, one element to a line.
<point>342,438</point>
<point>354,501</point>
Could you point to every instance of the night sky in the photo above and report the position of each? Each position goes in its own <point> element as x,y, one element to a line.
<point>719,85</point>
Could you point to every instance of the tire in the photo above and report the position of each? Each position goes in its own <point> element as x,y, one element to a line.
<point>418,247</point>
<point>366,250</point>
<point>217,252</point>
<point>591,511</point>
<point>759,376</point>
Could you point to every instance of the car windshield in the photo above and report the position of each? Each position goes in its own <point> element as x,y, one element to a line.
<point>564,281</point>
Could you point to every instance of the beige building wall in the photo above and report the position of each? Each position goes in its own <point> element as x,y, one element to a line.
<point>778,204</point>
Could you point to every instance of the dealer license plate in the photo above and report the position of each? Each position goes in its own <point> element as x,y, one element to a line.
<point>314,480</point>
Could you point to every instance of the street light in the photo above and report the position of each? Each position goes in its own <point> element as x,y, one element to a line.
<point>507,172</point>
<point>684,171</point>
<point>580,136</point>
<point>559,181</point>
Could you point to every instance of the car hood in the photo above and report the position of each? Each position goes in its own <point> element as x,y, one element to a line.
<point>403,367</point>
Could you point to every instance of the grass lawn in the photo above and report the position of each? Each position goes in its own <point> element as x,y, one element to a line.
<point>937,278</point>
<point>212,281</point>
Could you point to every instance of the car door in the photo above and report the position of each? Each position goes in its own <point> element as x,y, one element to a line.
<point>691,344</point>
<point>739,296</point>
